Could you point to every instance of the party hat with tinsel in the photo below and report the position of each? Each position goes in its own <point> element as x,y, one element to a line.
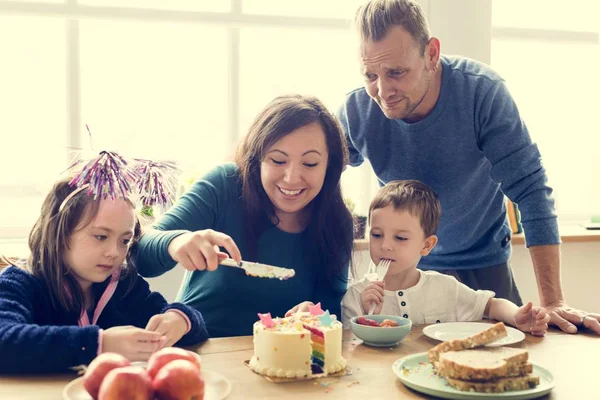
<point>111,175</point>
<point>108,175</point>
<point>157,182</point>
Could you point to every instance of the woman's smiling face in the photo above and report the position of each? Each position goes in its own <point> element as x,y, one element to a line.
<point>293,171</point>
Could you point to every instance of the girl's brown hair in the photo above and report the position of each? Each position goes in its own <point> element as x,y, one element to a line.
<point>49,240</point>
<point>330,224</point>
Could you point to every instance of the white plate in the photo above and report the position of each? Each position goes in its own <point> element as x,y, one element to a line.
<point>216,387</point>
<point>416,372</point>
<point>460,330</point>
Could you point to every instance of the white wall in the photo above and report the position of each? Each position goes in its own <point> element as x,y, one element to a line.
<point>464,27</point>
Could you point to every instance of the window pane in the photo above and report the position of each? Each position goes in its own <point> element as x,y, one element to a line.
<point>278,61</point>
<point>41,1</point>
<point>556,87</point>
<point>184,5</point>
<point>306,8</point>
<point>33,122</point>
<point>576,15</point>
<point>153,90</point>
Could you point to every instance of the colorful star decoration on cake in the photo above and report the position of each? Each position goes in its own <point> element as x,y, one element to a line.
<point>266,320</point>
<point>326,319</point>
<point>316,309</point>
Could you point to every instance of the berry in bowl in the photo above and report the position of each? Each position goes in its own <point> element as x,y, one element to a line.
<point>380,330</point>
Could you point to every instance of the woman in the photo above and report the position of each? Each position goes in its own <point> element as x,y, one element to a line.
<point>279,204</point>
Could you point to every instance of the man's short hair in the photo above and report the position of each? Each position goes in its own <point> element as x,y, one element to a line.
<point>375,18</point>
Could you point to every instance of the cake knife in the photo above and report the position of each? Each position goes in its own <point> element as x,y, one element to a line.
<point>259,270</point>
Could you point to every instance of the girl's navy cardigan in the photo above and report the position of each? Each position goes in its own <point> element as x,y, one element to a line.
<point>35,338</point>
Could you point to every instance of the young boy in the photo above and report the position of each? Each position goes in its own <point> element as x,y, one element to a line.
<point>403,219</point>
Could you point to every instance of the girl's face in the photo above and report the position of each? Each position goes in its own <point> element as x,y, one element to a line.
<point>99,248</point>
<point>397,235</point>
<point>292,172</point>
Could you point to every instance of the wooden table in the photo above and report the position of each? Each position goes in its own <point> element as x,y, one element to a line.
<point>573,359</point>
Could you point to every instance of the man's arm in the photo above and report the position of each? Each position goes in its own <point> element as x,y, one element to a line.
<point>355,157</point>
<point>546,264</point>
<point>517,167</point>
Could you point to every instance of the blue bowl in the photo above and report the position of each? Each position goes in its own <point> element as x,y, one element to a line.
<point>381,336</point>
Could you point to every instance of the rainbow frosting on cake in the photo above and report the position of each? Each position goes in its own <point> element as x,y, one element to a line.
<point>299,346</point>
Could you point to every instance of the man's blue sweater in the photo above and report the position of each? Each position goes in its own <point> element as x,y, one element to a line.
<point>35,338</point>
<point>472,148</point>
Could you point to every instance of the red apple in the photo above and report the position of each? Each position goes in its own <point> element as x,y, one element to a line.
<point>168,354</point>
<point>179,380</point>
<point>131,383</point>
<point>98,368</point>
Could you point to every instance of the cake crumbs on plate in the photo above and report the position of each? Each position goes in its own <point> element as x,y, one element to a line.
<point>353,383</point>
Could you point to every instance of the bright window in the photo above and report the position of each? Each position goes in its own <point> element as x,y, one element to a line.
<point>156,90</point>
<point>549,54</point>
<point>275,62</point>
<point>574,15</point>
<point>178,5</point>
<point>306,8</point>
<point>33,122</point>
<point>179,80</point>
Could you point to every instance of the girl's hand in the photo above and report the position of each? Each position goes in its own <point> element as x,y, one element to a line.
<point>532,319</point>
<point>372,294</point>
<point>170,325</point>
<point>302,307</point>
<point>136,344</point>
<point>200,250</point>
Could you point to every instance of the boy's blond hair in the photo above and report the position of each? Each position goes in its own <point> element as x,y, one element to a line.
<point>413,196</point>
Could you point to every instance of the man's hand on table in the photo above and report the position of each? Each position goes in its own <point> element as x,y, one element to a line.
<point>568,319</point>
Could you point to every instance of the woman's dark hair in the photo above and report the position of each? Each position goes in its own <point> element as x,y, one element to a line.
<point>330,224</point>
<point>49,240</point>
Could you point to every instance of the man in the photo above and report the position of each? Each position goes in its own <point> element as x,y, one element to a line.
<point>451,123</point>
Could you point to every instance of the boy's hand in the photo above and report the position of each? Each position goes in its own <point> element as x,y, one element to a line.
<point>532,319</point>
<point>170,324</point>
<point>134,343</point>
<point>372,294</point>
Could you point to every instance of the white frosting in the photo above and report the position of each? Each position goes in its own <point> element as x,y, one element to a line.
<point>285,349</point>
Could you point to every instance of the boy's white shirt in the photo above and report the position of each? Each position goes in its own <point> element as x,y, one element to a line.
<point>435,298</point>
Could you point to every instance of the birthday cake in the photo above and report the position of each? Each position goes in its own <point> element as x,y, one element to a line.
<point>300,346</point>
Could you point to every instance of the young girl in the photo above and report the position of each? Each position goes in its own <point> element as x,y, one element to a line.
<point>403,219</point>
<point>76,299</point>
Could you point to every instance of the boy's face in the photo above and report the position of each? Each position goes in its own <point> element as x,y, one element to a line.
<point>99,248</point>
<point>397,235</point>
